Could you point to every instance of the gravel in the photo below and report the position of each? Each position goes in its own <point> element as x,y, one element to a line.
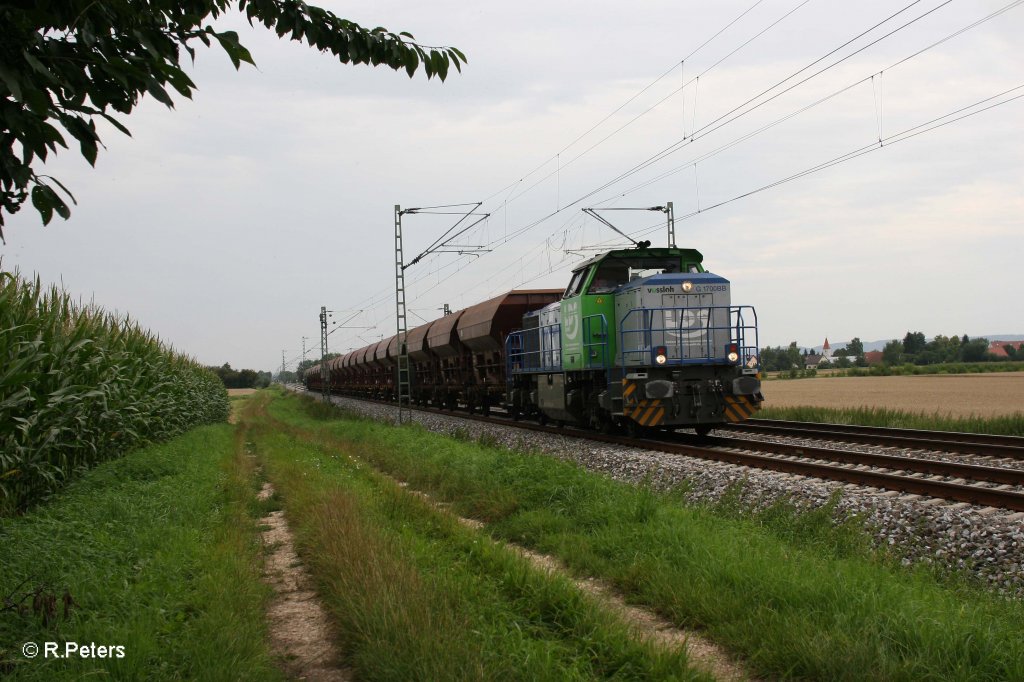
<point>952,536</point>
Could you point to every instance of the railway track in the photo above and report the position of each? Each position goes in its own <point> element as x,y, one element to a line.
<point>941,441</point>
<point>988,486</point>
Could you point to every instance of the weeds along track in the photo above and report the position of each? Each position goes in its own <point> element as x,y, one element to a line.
<point>698,542</point>
<point>995,487</point>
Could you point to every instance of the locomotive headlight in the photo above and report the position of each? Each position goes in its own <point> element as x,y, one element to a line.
<point>660,355</point>
<point>687,287</point>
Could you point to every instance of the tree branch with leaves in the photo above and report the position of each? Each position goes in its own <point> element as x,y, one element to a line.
<point>63,65</point>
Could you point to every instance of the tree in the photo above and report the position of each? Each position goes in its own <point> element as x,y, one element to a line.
<point>943,348</point>
<point>855,347</point>
<point>243,378</point>
<point>914,343</point>
<point>892,352</point>
<point>974,350</point>
<point>793,355</point>
<point>65,64</point>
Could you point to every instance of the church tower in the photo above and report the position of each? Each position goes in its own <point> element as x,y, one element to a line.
<point>826,350</point>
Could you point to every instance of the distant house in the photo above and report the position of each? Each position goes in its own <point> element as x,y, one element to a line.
<point>873,357</point>
<point>998,348</point>
<point>813,360</point>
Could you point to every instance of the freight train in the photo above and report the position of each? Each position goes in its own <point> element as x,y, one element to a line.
<point>641,338</point>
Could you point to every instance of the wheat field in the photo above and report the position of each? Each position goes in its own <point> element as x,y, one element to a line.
<point>955,395</point>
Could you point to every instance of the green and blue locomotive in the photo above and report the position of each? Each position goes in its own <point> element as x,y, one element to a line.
<point>641,338</point>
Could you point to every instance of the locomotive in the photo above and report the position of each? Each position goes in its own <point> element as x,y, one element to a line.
<point>641,338</point>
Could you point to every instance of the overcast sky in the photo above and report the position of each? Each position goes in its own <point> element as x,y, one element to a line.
<point>224,224</point>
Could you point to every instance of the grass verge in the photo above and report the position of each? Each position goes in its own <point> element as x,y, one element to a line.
<point>159,552</point>
<point>416,595</point>
<point>1006,425</point>
<point>794,596</point>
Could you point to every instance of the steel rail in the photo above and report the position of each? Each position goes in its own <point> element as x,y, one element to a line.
<point>974,472</point>
<point>960,492</point>
<point>942,441</point>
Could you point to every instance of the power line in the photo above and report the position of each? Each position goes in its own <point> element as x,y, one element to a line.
<point>896,138</point>
<point>383,295</point>
<point>724,120</point>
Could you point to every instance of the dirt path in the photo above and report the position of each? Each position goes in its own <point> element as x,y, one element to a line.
<point>705,654</point>
<point>300,634</point>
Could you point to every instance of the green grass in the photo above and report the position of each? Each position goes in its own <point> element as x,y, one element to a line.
<point>1006,425</point>
<point>79,385</point>
<point>786,591</point>
<point>160,554</point>
<point>415,595</point>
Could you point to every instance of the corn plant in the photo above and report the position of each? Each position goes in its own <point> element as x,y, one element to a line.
<point>79,385</point>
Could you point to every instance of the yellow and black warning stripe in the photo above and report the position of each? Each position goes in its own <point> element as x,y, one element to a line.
<point>740,407</point>
<point>628,389</point>
<point>644,412</point>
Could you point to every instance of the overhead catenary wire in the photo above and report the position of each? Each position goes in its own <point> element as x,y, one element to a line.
<point>895,138</point>
<point>711,126</point>
<point>709,154</point>
<point>628,101</point>
<point>385,294</point>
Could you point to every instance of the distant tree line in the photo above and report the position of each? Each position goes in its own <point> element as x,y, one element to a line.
<point>241,378</point>
<point>913,349</point>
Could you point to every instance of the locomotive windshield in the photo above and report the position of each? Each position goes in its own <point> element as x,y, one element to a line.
<point>615,271</point>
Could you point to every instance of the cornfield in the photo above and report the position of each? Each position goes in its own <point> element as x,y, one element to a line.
<point>79,385</point>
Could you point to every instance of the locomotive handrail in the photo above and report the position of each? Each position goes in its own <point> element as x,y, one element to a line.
<point>546,357</point>
<point>691,344</point>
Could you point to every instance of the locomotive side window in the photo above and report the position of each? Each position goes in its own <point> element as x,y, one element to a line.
<point>575,284</point>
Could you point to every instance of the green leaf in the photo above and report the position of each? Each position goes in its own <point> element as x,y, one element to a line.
<point>66,190</point>
<point>38,101</point>
<point>154,88</point>
<point>11,81</point>
<point>235,51</point>
<point>412,62</point>
<point>89,150</point>
<point>114,122</point>
<point>60,206</point>
<point>41,200</point>
<point>38,66</point>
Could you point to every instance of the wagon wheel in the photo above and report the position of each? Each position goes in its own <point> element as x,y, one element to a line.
<point>703,429</point>
<point>635,430</point>
<point>599,421</point>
